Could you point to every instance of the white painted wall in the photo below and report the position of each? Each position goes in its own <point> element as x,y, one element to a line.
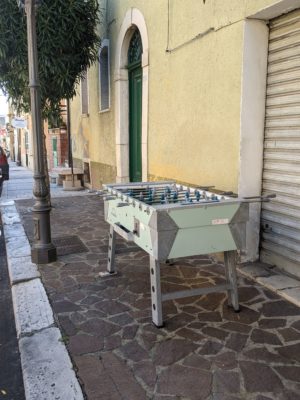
<point>254,72</point>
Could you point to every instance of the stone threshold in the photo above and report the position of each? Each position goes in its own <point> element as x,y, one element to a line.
<point>273,279</point>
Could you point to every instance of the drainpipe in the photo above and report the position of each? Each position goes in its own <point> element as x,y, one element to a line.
<point>70,155</point>
<point>18,161</point>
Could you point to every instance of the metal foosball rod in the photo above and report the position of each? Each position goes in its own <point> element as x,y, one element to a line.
<point>167,195</point>
<point>155,195</point>
<point>138,189</point>
<point>168,191</point>
<point>180,198</point>
<point>161,187</point>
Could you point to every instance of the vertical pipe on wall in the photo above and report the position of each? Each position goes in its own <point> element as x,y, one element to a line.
<point>70,155</point>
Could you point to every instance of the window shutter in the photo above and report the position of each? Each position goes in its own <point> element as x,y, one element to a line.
<point>84,94</point>
<point>104,78</point>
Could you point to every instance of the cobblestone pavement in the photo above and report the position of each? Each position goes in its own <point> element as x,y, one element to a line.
<point>205,350</point>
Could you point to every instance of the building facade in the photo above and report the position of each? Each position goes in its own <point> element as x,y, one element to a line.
<point>204,92</point>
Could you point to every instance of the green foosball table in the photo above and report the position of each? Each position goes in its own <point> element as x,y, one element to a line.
<point>169,221</point>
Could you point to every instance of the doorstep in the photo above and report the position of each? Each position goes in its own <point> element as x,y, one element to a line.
<point>273,279</point>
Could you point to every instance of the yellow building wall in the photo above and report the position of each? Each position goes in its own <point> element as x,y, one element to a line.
<point>195,72</point>
<point>93,135</point>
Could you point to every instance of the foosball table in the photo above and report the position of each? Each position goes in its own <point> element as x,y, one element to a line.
<point>169,221</point>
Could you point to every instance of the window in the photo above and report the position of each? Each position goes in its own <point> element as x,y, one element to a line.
<point>84,94</point>
<point>104,78</point>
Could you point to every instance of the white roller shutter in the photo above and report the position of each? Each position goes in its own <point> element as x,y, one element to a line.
<point>280,238</point>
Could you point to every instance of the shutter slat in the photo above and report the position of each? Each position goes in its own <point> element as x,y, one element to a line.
<point>283,77</point>
<point>281,133</point>
<point>282,144</point>
<point>269,217</point>
<point>284,64</point>
<point>284,188</point>
<point>283,122</point>
<point>283,88</point>
<point>282,167</point>
<point>280,230</point>
<point>292,110</point>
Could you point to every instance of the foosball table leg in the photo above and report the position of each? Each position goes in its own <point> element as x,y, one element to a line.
<point>110,270</point>
<point>230,271</point>
<point>156,299</point>
<point>111,250</point>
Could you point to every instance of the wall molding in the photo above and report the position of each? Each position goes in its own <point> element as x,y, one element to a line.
<point>133,19</point>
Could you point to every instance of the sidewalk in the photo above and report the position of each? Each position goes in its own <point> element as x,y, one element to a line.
<point>204,352</point>
<point>20,186</point>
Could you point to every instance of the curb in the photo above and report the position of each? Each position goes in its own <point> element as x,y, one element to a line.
<point>46,366</point>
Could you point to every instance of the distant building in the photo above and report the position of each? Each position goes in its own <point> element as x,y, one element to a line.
<point>2,121</point>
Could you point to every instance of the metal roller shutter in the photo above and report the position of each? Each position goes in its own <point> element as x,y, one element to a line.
<point>280,236</point>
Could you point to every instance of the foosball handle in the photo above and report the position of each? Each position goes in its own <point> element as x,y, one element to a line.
<point>228,194</point>
<point>265,198</point>
<point>205,187</point>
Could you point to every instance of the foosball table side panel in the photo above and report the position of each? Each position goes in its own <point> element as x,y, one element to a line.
<point>133,220</point>
<point>202,240</point>
<point>204,230</point>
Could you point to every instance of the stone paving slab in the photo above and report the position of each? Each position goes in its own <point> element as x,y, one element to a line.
<point>4,202</point>
<point>254,270</point>
<point>47,368</point>
<point>278,282</point>
<point>17,247</point>
<point>292,295</point>
<point>14,230</point>
<point>22,269</point>
<point>285,286</point>
<point>9,217</point>
<point>8,209</point>
<point>204,351</point>
<point>31,307</point>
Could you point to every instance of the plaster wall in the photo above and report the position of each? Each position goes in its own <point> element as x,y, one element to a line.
<point>93,135</point>
<point>196,57</point>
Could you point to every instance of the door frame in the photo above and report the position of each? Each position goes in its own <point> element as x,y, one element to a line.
<point>133,19</point>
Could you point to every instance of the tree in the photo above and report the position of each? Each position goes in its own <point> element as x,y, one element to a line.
<point>68,44</point>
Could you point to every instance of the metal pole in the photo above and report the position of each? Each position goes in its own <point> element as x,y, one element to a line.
<point>42,251</point>
<point>70,156</point>
<point>19,147</point>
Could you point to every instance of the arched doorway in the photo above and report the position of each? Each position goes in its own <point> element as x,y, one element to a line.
<point>135,81</point>
<point>133,35</point>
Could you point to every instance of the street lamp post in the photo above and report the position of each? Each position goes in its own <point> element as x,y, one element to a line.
<point>42,251</point>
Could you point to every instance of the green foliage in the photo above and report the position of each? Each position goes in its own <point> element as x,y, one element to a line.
<point>67,41</point>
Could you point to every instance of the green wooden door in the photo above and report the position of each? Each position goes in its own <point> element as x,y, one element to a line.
<point>135,123</point>
<point>54,151</point>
